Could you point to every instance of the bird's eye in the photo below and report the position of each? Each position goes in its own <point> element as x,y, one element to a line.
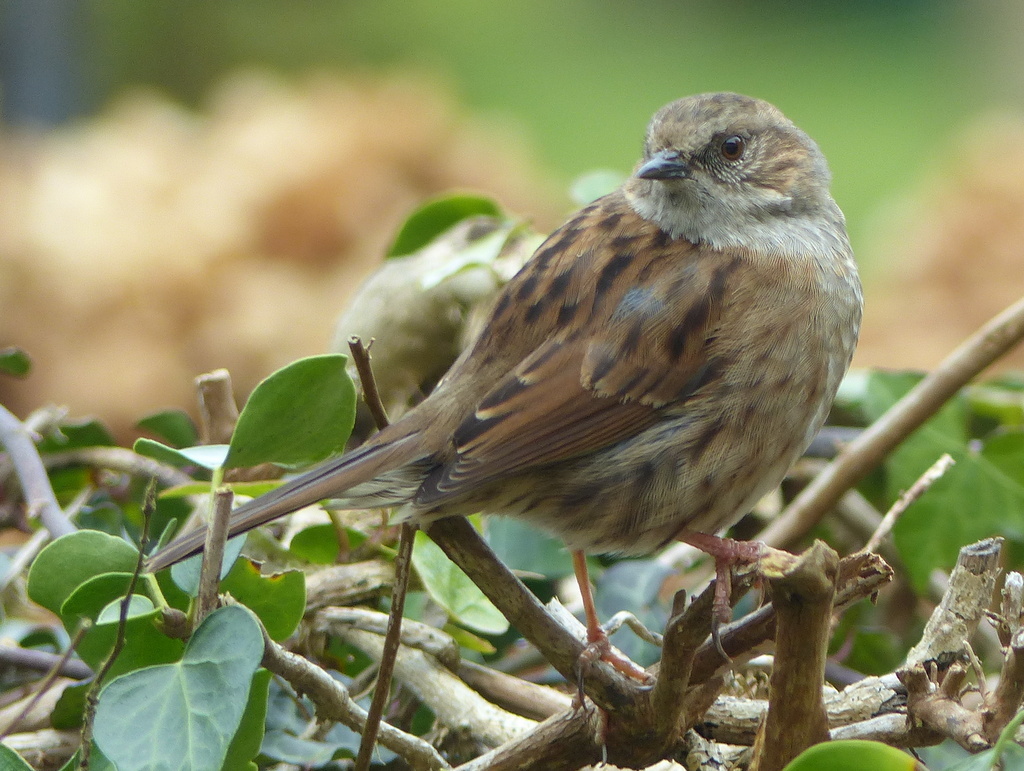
<point>733,147</point>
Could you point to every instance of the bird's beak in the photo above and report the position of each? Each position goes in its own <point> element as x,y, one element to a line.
<point>664,165</point>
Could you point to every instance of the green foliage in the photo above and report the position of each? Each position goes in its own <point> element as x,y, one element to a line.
<point>277,600</point>
<point>184,715</point>
<point>174,426</point>
<point>452,589</point>
<point>436,216</point>
<point>853,755</point>
<point>298,416</point>
<point>982,495</point>
<point>14,361</point>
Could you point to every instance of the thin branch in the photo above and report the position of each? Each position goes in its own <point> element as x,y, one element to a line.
<point>92,698</point>
<point>926,480</point>
<point>119,459</point>
<point>55,671</point>
<point>865,452</point>
<point>333,703</point>
<point>361,358</point>
<point>29,467</point>
<point>213,554</point>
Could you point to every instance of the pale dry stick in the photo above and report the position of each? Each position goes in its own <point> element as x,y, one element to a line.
<point>926,480</point>
<point>865,452</point>
<point>333,703</point>
<point>119,459</point>
<point>35,484</point>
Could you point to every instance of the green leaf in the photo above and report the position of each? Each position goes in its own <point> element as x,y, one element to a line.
<point>298,416</point>
<point>318,544</point>
<point>174,426</point>
<point>479,254</point>
<point>634,585</point>
<point>71,560</point>
<point>853,755</point>
<point>278,600</point>
<point>144,644</point>
<point>246,744</point>
<point>453,590</point>
<point>526,548</point>
<point>15,361</point>
<point>438,215</point>
<point>975,499</point>
<point>11,760</point>
<point>208,456</point>
<point>77,434</point>
<point>594,184</point>
<point>184,715</point>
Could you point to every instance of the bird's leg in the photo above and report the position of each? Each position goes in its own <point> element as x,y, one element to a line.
<point>598,644</point>
<point>727,552</point>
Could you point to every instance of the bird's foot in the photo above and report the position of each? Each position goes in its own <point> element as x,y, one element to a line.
<point>727,553</point>
<point>600,648</point>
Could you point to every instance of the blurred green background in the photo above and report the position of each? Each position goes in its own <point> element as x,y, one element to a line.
<point>882,85</point>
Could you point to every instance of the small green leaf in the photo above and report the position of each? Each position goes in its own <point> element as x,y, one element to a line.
<point>453,590</point>
<point>853,755</point>
<point>144,645</point>
<point>298,416</point>
<point>15,361</point>
<point>174,426</point>
<point>479,254</point>
<point>318,544</point>
<point>438,215</point>
<point>278,600</point>
<point>184,715</point>
<point>208,456</point>
<point>77,434</point>
<point>73,559</point>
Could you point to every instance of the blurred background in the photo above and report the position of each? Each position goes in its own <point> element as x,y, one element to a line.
<point>200,184</point>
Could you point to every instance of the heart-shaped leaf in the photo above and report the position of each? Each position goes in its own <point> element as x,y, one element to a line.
<point>184,715</point>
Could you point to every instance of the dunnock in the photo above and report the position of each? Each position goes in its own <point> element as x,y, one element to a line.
<point>657,366</point>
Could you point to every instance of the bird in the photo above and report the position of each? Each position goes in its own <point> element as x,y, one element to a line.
<point>656,366</point>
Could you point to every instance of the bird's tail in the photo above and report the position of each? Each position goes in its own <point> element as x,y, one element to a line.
<point>328,480</point>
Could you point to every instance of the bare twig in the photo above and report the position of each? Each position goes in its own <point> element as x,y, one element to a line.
<point>55,670</point>
<point>119,459</point>
<point>802,597</point>
<point>35,484</point>
<point>403,565</point>
<point>213,554</point>
<point>30,658</point>
<point>333,703</point>
<point>926,480</point>
<point>866,451</point>
<point>92,698</point>
<point>361,358</point>
<point>218,412</point>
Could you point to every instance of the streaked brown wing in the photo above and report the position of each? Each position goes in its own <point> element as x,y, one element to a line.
<point>577,396</point>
